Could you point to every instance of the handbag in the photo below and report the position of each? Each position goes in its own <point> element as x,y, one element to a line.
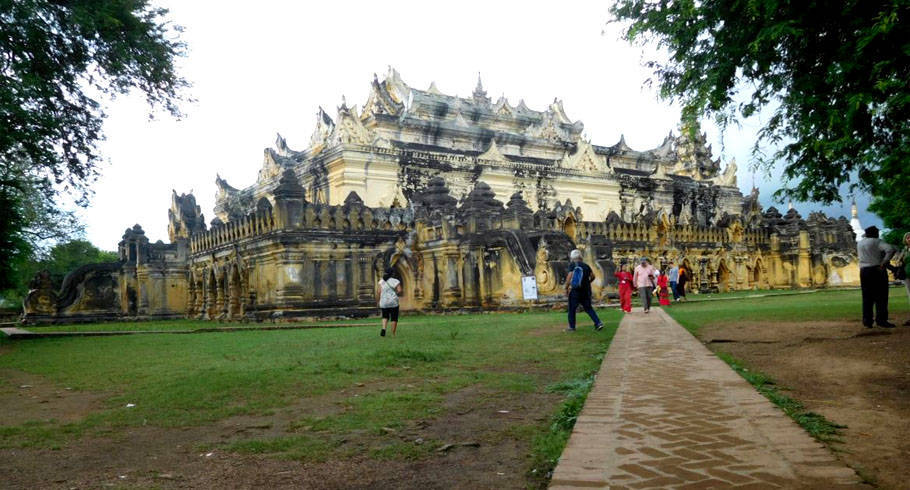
<point>900,272</point>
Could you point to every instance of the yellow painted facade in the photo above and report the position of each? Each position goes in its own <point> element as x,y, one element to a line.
<point>463,197</point>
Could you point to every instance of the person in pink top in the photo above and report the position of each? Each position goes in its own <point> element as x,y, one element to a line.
<point>644,279</point>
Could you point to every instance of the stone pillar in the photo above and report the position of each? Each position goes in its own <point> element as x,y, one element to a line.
<point>804,267</point>
<point>208,299</point>
<point>142,293</point>
<point>365,290</point>
<point>331,277</point>
<point>348,281</point>
<point>234,303</point>
<point>308,278</point>
<point>318,285</point>
<point>483,287</point>
<point>190,297</point>
<point>452,292</point>
<point>201,298</point>
<point>289,288</point>
<point>289,201</point>
<point>775,266</point>
<point>220,308</point>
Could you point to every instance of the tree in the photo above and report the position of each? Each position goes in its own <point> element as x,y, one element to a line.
<point>65,257</point>
<point>894,210</point>
<point>58,60</point>
<point>60,260</point>
<point>29,219</point>
<point>835,76</point>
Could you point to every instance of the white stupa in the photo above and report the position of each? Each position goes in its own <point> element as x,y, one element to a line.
<point>854,222</point>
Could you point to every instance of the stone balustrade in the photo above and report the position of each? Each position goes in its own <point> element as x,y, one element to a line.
<point>255,224</point>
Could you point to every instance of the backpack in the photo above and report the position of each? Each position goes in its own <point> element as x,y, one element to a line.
<point>577,275</point>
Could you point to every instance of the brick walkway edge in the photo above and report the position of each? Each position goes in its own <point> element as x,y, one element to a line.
<point>665,412</point>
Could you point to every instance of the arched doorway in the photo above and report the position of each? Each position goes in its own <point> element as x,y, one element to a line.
<point>211,294</point>
<point>756,274</point>
<point>234,309</point>
<point>723,277</point>
<point>691,283</point>
<point>264,206</point>
<point>403,273</point>
<point>568,227</point>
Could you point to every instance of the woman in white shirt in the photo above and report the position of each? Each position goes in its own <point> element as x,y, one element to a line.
<point>387,290</point>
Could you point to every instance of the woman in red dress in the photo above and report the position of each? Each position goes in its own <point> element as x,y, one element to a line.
<point>625,288</point>
<point>663,283</point>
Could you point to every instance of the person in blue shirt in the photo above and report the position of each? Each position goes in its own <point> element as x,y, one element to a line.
<point>580,294</point>
<point>673,276</point>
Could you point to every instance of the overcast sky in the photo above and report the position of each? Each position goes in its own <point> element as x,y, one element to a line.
<point>264,67</point>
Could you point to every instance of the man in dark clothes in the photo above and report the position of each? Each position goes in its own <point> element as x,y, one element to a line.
<point>874,255</point>
<point>580,294</point>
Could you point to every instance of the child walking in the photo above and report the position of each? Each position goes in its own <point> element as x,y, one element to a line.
<point>663,282</point>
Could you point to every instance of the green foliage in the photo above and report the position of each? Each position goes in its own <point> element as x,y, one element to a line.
<point>57,60</point>
<point>60,260</point>
<point>29,219</point>
<point>298,447</point>
<point>14,247</point>
<point>403,357</point>
<point>893,207</point>
<point>835,75</point>
<point>63,258</point>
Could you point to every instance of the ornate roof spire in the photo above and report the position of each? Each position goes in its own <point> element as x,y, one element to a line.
<point>854,221</point>
<point>480,95</point>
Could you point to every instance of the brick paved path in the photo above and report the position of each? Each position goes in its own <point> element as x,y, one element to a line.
<point>665,412</point>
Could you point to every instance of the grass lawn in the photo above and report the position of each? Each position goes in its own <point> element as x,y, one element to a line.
<point>197,380</point>
<point>189,325</point>
<point>823,305</point>
<point>182,324</point>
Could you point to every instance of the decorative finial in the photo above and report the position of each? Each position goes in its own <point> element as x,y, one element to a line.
<point>480,95</point>
<point>854,213</point>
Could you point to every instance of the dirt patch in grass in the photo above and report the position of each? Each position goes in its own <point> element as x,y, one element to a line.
<point>849,374</point>
<point>26,397</point>
<point>488,434</point>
